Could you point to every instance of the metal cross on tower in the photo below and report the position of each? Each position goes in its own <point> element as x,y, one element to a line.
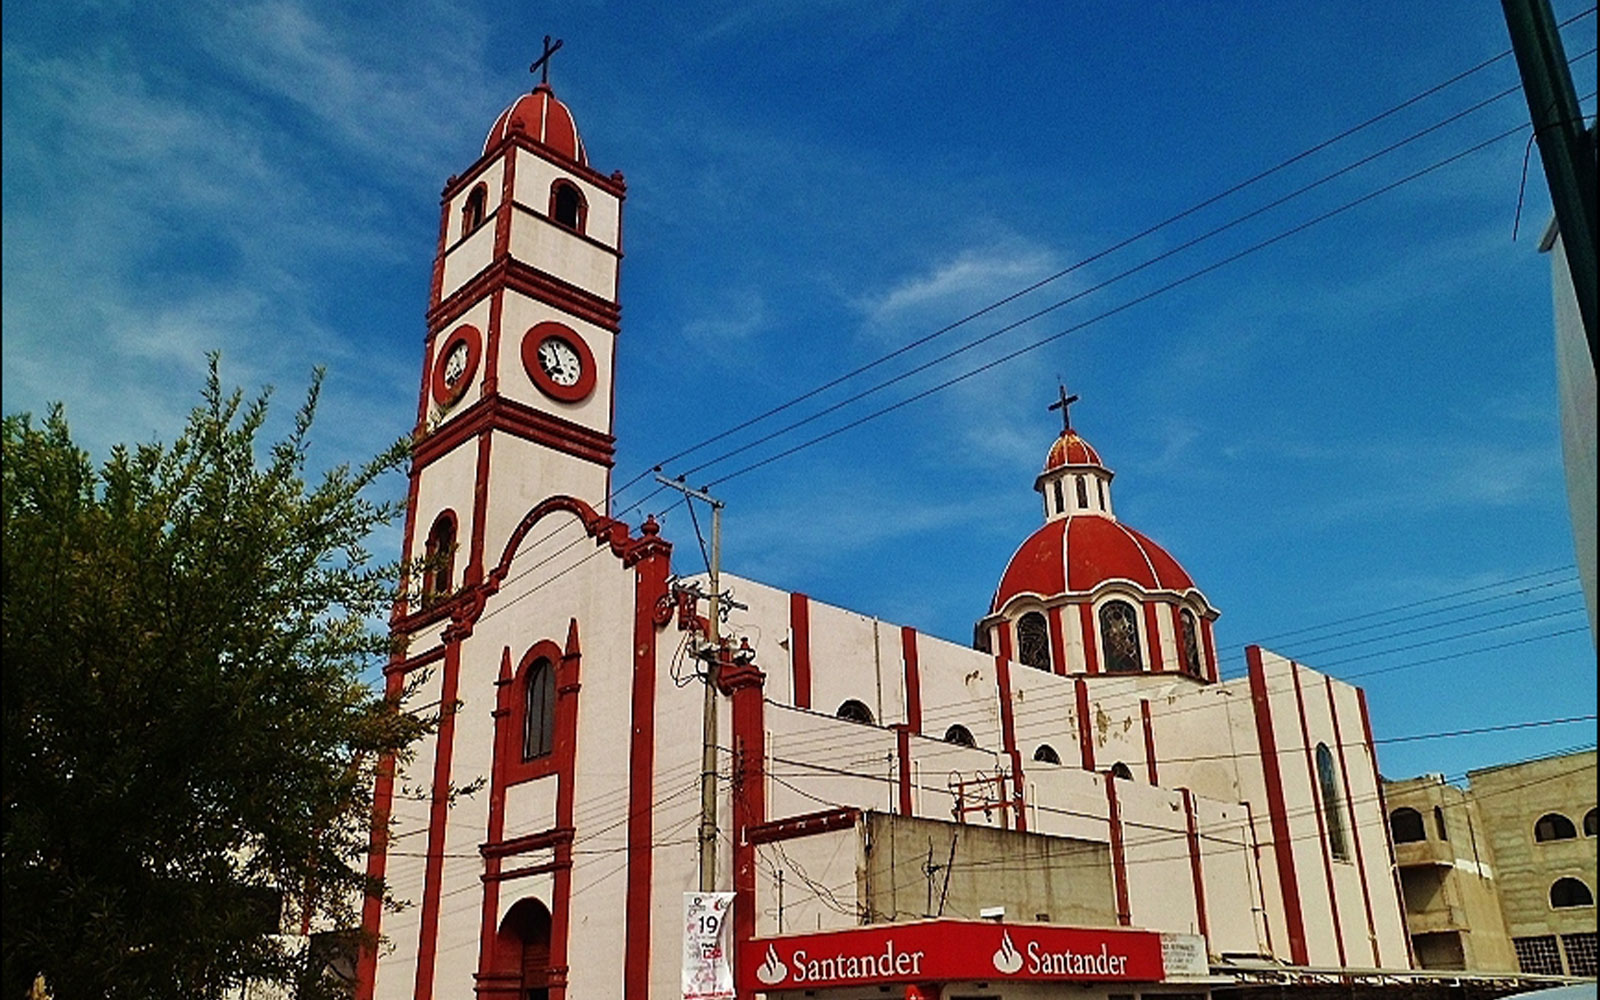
<point>1061,404</point>
<point>541,65</point>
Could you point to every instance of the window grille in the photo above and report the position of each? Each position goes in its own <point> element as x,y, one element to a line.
<point>1580,951</point>
<point>1538,955</point>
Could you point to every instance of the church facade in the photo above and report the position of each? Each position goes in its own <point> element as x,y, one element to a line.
<point>1079,800</point>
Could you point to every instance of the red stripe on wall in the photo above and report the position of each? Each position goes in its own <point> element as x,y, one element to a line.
<point>1008,736</point>
<point>1191,825</point>
<point>1317,807</point>
<point>438,816</point>
<point>1058,643</point>
<point>1119,858</point>
<point>1355,827</point>
<point>1091,654</point>
<point>650,585</point>
<point>800,638</point>
<point>566,749</point>
<point>749,805</point>
<point>1085,731</point>
<point>1153,636</point>
<point>1277,810</point>
<point>480,512</point>
<point>491,346</point>
<point>1149,741</point>
<point>908,657</point>
<point>1377,782</point>
<point>902,735</point>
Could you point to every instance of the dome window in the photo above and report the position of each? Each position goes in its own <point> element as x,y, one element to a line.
<point>474,210</point>
<point>1046,754</point>
<point>855,711</point>
<point>1332,814</point>
<point>1554,826</point>
<point>1405,826</point>
<point>1191,642</point>
<point>960,735</point>
<point>1100,485</point>
<point>1033,641</point>
<point>567,206</point>
<point>1119,636</point>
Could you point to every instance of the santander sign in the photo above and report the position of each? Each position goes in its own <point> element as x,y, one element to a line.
<point>950,950</point>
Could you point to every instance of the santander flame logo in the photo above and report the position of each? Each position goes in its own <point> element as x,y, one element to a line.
<point>1007,959</point>
<point>773,971</point>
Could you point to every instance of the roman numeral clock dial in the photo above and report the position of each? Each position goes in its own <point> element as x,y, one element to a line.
<point>559,362</point>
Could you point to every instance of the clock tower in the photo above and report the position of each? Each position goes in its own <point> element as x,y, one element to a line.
<point>519,358</point>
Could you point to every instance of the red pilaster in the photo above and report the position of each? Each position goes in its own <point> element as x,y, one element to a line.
<point>1153,638</point>
<point>743,683</point>
<point>438,816</point>
<point>566,753</point>
<point>902,736</point>
<point>650,613</point>
<point>1119,857</point>
<point>913,673</point>
<point>1191,825</point>
<point>1277,810</point>
<point>1091,654</point>
<point>377,854</point>
<point>1008,737</point>
<point>1149,741</point>
<point>1085,726</point>
<point>1058,642</point>
<point>800,638</point>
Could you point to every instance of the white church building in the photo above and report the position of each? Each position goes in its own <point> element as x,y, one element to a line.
<point>1081,803</point>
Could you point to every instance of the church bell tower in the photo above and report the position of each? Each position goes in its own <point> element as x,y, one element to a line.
<point>517,391</point>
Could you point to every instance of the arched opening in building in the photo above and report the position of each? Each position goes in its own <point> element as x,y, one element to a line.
<point>960,735</point>
<point>567,206</point>
<point>1119,637</point>
<point>522,948</point>
<point>1570,892</point>
<point>1061,502</point>
<point>1553,826</point>
<point>1121,770</point>
<point>1046,754</point>
<point>1405,826</point>
<point>1033,641</point>
<point>1438,823</point>
<point>1191,642</point>
<point>438,558</point>
<point>1589,823</point>
<point>855,711</point>
<point>1083,493</point>
<point>472,211</point>
<point>1332,811</point>
<point>539,709</point>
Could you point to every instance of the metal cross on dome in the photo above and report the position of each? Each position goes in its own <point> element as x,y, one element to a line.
<point>1061,404</point>
<point>541,65</point>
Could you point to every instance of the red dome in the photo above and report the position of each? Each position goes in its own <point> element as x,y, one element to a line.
<point>1070,449</point>
<point>1077,554</point>
<point>542,118</point>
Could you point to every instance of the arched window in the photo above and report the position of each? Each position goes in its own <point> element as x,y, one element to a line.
<point>472,211</point>
<point>1570,892</point>
<point>1100,485</point>
<point>1554,826</point>
<point>1122,771</point>
<point>1332,814</point>
<point>1589,823</point>
<point>539,709</point>
<point>1061,502</point>
<point>523,948</point>
<point>1438,823</point>
<point>1191,642</point>
<point>960,735</point>
<point>1405,826</point>
<point>1033,641</point>
<point>1119,636</point>
<point>855,711</point>
<point>567,206</point>
<point>1083,494</point>
<point>439,556</point>
<point>1046,754</point>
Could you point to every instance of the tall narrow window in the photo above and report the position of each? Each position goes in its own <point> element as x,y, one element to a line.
<point>1590,823</point>
<point>1083,494</point>
<point>539,710</point>
<point>1033,641</point>
<point>1061,501</point>
<point>1332,814</point>
<point>472,211</point>
<point>1191,642</point>
<point>1119,635</point>
<point>1100,485</point>
<point>854,711</point>
<point>567,207</point>
<point>1438,823</point>
<point>438,559</point>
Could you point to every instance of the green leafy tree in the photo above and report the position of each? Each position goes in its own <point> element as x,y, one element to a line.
<point>190,737</point>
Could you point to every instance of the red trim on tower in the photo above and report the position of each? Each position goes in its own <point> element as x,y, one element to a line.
<point>1058,643</point>
<point>1153,637</point>
<point>519,420</point>
<point>438,816</point>
<point>1317,808</point>
<point>1008,737</point>
<point>480,510</point>
<point>1211,650</point>
<point>566,754</point>
<point>1085,732</point>
<point>436,280</point>
<point>1091,653</point>
<point>1119,857</point>
<point>444,393</point>
<point>1277,810</point>
<point>1004,632</point>
<point>1383,807</point>
<point>913,674</point>
<point>1149,741</point>
<point>651,611</point>
<point>800,655</point>
<point>1191,826</point>
<point>377,854</point>
<point>1355,827</point>
<point>902,740</point>
<point>548,330</point>
<point>502,211</point>
<point>509,272</point>
<point>491,372</point>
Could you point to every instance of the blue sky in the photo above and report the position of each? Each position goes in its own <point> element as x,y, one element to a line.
<point>1358,417</point>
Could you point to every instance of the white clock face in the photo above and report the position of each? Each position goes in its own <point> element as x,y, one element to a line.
<point>559,361</point>
<point>455,364</point>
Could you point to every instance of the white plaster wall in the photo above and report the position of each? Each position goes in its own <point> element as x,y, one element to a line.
<point>848,661</point>
<point>1043,710</point>
<point>1156,845</point>
<point>518,315</point>
<point>958,686</point>
<point>820,888</point>
<point>476,315</point>
<point>1227,871</point>
<point>1171,660</point>
<point>1077,661</point>
<point>555,250</point>
<point>808,752</point>
<point>463,261</point>
<point>446,484</point>
<point>535,174</point>
<point>521,474</point>
<point>765,624</point>
<point>1196,746</point>
<point>1067,801</point>
<point>937,765</point>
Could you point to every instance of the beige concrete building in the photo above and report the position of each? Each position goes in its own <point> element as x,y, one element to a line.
<point>1500,876</point>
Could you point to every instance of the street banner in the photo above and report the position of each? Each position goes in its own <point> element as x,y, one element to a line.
<point>707,947</point>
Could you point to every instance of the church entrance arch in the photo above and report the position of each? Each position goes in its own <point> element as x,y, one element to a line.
<point>523,948</point>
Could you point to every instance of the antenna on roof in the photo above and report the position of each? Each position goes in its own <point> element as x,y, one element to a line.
<point>541,65</point>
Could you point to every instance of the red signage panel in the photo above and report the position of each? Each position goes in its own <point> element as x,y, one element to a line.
<point>947,950</point>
